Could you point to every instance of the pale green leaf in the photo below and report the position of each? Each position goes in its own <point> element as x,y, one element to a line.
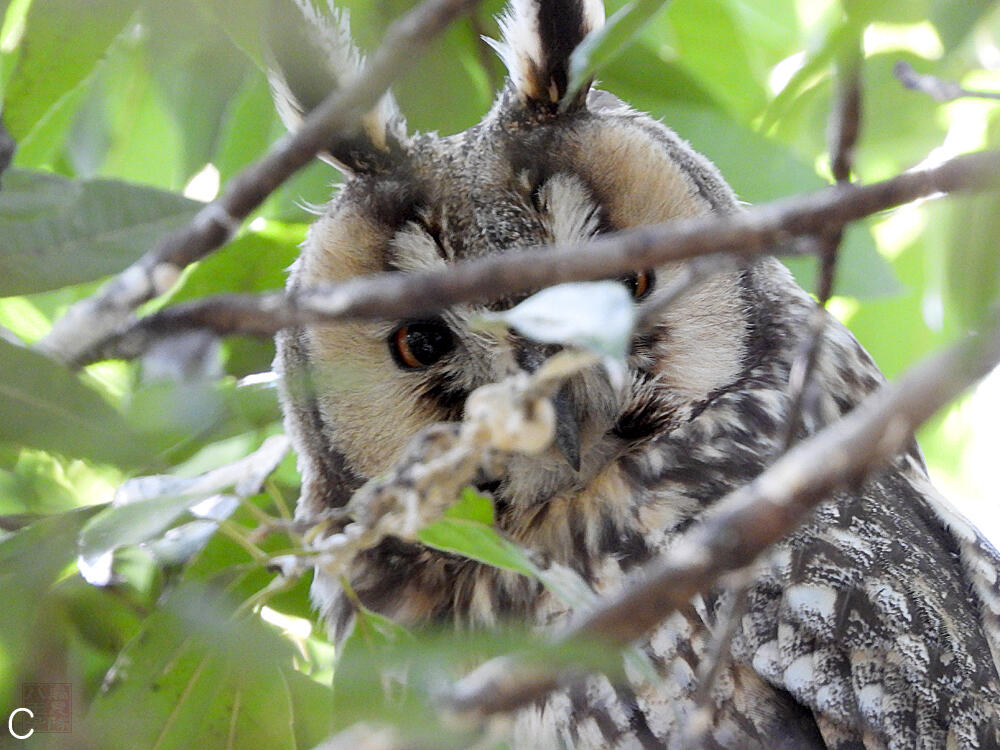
<point>63,41</point>
<point>607,42</point>
<point>45,406</point>
<point>59,232</point>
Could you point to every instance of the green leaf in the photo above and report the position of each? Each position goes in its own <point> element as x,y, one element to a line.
<point>203,678</point>
<point>954,21</point>
<point>144,143</point>
<point>815,67</point>
<point>182,51</point>
<point>147,506</point>
<point>63,41</point>
<point>45,406</point>
<point>476,541</point>
<point>40,148</point>
<point>649,83</point>
<point>312,706</point>
<point>472,506</point>
<point>758,168</point>
<point>76,231</point>
<point>604,44</point>
<point>30,560</point>
<point>711,44</point>
<point>973,262</point>
<point>124,525</point>
<point>248,128</point>
<point>861,273</point>
<point>271,250</point>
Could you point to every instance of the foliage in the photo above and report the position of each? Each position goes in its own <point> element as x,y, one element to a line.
<point>127,112</point>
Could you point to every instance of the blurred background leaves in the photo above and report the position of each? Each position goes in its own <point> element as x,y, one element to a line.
<point>129,113</point>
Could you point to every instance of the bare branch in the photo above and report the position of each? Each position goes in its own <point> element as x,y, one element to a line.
<point>767,228</point>
<point>752,518</point>
<point>937,88</point>
<point>842,134</point>
<point>93,319</point>
<point>7,148</point>
<point>845,116</point>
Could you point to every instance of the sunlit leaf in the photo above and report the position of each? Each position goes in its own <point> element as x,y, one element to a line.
<point>472,506</point>
<point>64,39</point>
<point>973,260</point>
<point>710,44</point>
<point>954,21</point>
<point>609,41</point>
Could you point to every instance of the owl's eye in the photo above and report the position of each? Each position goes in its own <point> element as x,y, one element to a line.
<point>640,284</point>
<point>420,344</point>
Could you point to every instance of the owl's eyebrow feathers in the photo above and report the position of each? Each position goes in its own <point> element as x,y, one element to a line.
<point>415,248</point>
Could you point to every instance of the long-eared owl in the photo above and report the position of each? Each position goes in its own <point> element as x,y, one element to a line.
<point>877,624</point>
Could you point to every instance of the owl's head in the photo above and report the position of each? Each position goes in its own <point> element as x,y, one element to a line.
<point>542,167</point>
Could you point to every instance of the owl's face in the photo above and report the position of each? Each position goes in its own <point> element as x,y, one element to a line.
<point>529,174</point>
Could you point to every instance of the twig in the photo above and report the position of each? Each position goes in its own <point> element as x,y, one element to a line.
<point>752,518</point>
<point>767,228</point>
<point>842,134</point>
<point>845,116</point>
<point>937,88</point>
<point>91,320</point>
<point>7,148</point>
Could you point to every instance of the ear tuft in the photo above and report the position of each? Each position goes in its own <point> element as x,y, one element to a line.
<point>539,37</point>
<point>310,54</point>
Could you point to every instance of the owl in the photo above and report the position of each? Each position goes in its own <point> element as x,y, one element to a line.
<point>875,625</point>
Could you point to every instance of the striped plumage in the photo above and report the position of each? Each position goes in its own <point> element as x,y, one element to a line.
<point>875,625</point>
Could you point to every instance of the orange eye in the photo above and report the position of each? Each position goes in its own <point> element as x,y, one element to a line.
<point>640,284</point>
<point>420,344</point>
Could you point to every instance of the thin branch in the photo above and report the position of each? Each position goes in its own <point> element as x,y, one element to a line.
<point>7,148</point>
<point>752,518</point>
<point>767,228</point>
<point>938,89</point>
<point>842,135</point>
<point>93,319</point>
<point>845,116</point>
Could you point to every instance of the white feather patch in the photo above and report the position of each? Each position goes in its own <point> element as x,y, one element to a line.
<point>571,213</point>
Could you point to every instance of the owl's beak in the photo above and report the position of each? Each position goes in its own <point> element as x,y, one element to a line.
<point>530,356</point>
<point>567,438</point>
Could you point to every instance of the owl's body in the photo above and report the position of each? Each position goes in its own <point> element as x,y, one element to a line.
<point>874,625</point>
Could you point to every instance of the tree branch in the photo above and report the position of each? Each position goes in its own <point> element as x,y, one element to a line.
<point>7,148</point>
<point>91,320</point>
<point>752,518</point>
<point>842,135</point>
<point>762,229</point>
<point>937,88</point>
